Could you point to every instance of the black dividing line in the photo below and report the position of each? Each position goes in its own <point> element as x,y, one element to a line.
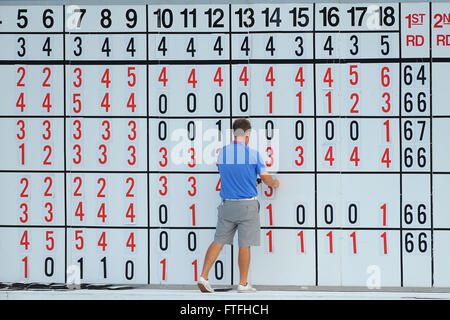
<point>231,109</point>
<point>315,147</point>
<point>400,136</point>
<point>430,37</point>
<point>148,150</point>
<point>65,150</point>
<point>212,117</point>
<point>143,227</point>
<point>222,61</point>
<point>299,173</point>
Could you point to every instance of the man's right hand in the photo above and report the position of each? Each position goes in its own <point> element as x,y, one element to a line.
<point>276,183</point>
<point>267,179</point>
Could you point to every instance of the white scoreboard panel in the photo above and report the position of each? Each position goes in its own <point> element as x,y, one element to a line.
<point>96,99</point>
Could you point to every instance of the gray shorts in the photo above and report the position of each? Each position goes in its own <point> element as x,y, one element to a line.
<point>242,215</point>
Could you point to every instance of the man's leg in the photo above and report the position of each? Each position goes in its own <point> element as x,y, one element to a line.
<point>244,263</point>
<point>211,256</point>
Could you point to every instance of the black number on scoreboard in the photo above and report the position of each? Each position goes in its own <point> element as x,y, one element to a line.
<point>49,266</point>
<point>105,47</point>
<point>299,130</point>
<point>191,102</point>
<point>246,17</point>
<point>80,262</point>
<point>218,45</point>
<point>328,213</point>
<point>78,50</point>
<point>162,102</point>
<point>299,18</point>
<point>218,269</point>
<point>162,46</point>
<point>352,213</point>
<point>163,214</point>
<point>164,18</point>
<point>163,240</point>
<point>420,243</point>
<point>131,17</point>
<point>269,129</point>
<point>162,130</point>
<point>357,13</point>
<point>215,17</point>
<point>272,17</point>
<point>420,214</point>
<point>300,214</point>
<point>47,18</point>
<point>192,241</point>
<point>22,51</point>
<point>103,261</point>
<point>330,16</point>
<point>130,47</point>
<point>105,20</point>
<point>129,270</point>
<point>191,130</point>
<point>22,19</point>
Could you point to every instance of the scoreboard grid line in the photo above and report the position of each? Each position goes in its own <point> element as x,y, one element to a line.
<point>431,143</point>
<point>230,66</point>
<point>223,61</point>
<point>65,152</point>
<point>265,227</point>
<point>193,32</point>
<point>148,148</point>
<point>140,172</point>
<point>43,116</point>
<point>316,255</point>
<point>400,144</point>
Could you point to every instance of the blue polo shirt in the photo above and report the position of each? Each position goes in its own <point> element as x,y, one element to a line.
<point>239,166</point>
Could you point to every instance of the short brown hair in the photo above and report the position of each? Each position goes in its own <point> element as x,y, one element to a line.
<point>240,126</point>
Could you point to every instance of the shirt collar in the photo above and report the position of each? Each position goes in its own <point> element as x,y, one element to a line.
<point>238,142</point>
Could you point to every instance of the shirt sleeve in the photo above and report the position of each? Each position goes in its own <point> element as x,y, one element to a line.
<point>260,166</point>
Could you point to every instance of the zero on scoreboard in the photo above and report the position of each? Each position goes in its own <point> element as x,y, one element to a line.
<point>112,117</point>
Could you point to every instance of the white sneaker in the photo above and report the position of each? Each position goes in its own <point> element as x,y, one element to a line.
<point>204,285</point>
<point>246,288</point>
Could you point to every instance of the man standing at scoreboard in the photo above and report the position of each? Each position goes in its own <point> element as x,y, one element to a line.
<point>239,166</point>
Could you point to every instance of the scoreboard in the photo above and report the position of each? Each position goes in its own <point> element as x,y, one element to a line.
<point>111,118</point>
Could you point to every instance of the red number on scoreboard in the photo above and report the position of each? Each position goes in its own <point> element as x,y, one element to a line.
<point>191,79</point>
<point>163,76</point>
<point>163,179</point>
<point>385,78</point>
<point>164,161</point>
<point>21,125</point>
<point>244,76</point>
<point>218,76</point>
<point>132,75</point>
<point>24,240</point>
<point>270,77</point>
<point>47,192</point>
<point>302,244</point>
<point>79,237</point>
<point>193,182</point>
<point>50,240</point>
<point>78,81</point>
<point>21,70</point>
<point>269,234</point>
<point>130,242</point>
<point>130,193</point>
<point>105,78</point>
<point>47,71</point>
<point>102,241</point>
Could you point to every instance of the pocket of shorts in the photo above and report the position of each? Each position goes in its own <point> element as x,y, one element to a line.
<point>259,205</point>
